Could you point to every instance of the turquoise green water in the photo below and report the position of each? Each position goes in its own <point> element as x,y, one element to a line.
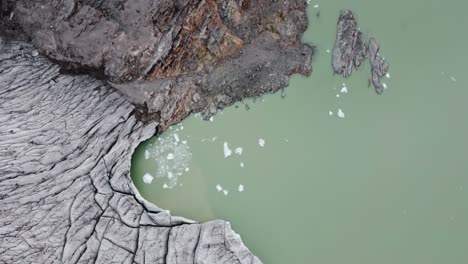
<point>388,183</point>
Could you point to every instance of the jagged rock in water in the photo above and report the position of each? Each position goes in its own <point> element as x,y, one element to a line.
<point>171,58</point>
<point>378,65</point>
<point>65,191</point>
<point>350,49</point>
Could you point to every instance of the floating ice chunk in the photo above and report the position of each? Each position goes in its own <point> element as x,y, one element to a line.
<point>242,164</point>
<point>453,79</point>
<point>219,188</point>
<point>148,178</point>
<point>387,75</point>
<point>147,154</point>
<point>344,90</point>
<point>227,150</point>
<point>184,142</point>
<point>211,119</point>
<point>340,113</point>
<point>225,192</point>
<point>170,156</point>
<point>327,51</point>
<point>241,188</point>
<point>337,95</point>
<point>181,127</point>
<point>384,85</point>
<point>187,169</point>
<point>315,6</point>
<point>330,113</point>
<point>176,137</point>
<point>261,142</point>
<point>170,175</point>
<point>165,186</point>
<point>239,151</point>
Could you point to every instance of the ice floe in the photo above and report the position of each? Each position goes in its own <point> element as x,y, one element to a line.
<point>261,142</point>
<point>239,151</point>
<point>340,113</point>
<point>170,156</point>
<point>148,178</point>
<point>227,150</point>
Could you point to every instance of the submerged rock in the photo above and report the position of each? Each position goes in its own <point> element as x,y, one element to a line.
<point>350,50</point>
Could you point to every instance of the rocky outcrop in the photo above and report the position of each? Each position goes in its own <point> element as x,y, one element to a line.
<point>171,58</point>
<point>350,50</point>
<point>378,65</point>
<point>65,189</point>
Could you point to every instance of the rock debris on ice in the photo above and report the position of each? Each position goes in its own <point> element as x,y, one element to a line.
<point>227,150</point>
<point>148,178</point>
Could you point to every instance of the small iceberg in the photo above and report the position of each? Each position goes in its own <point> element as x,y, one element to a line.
<point>148,178</point>
<point>238,151</point>
<point>227,150</point>
<point>241,188</point>
<point>261,142</point>
<point>340,113</point>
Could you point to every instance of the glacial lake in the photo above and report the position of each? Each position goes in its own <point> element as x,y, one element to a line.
<point>383,182</point>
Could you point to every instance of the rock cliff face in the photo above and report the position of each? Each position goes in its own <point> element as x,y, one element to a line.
<point>65,191</point>
<point>171,58</point>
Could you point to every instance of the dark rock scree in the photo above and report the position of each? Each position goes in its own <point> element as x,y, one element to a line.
<point>350,50</point>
